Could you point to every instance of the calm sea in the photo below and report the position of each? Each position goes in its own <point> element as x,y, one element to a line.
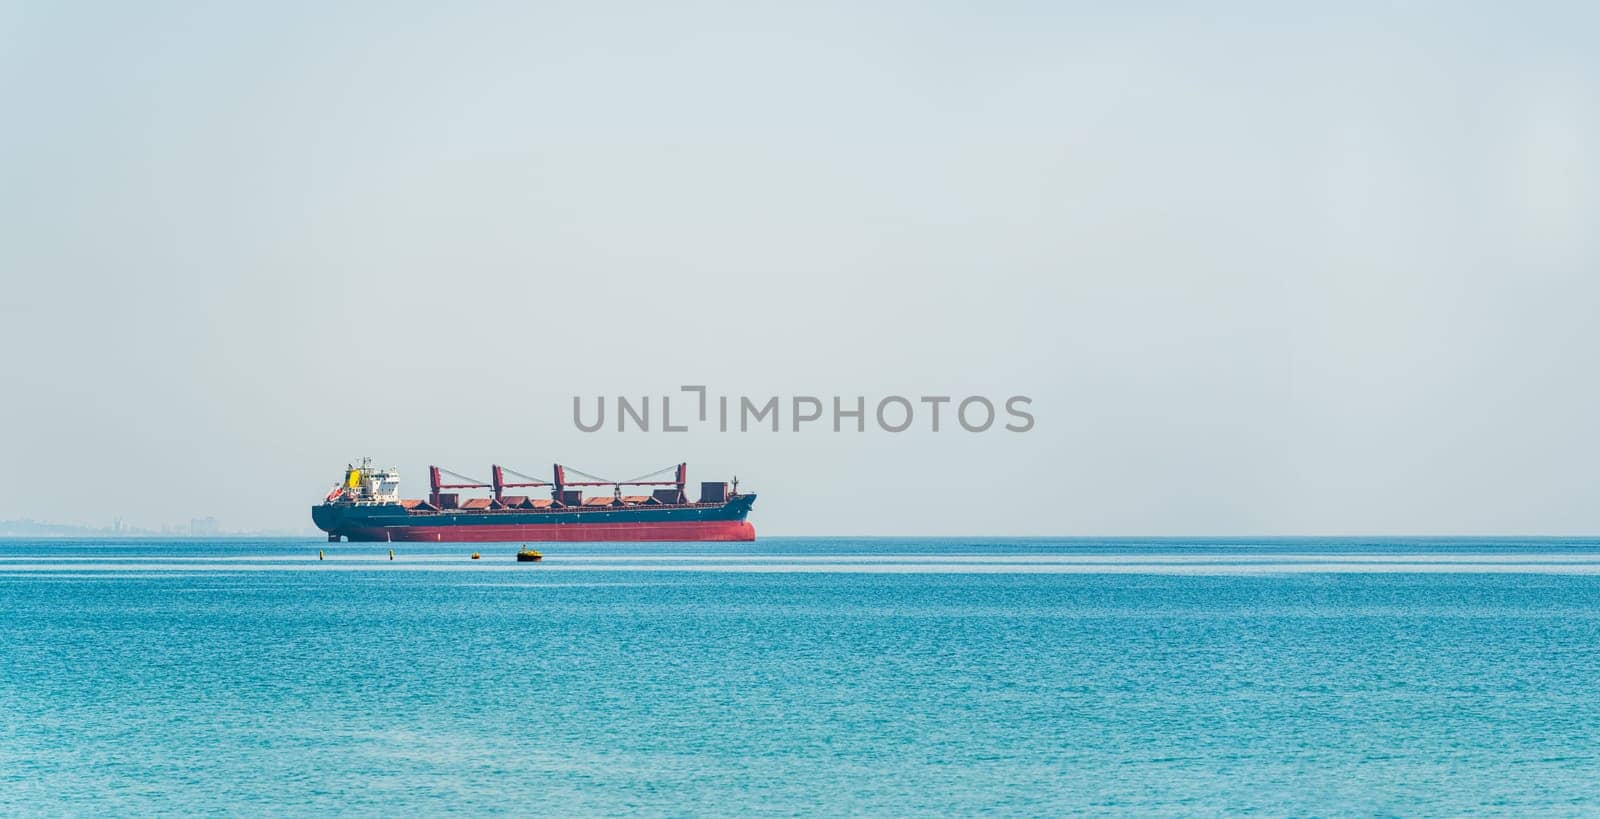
<point>803,676</point>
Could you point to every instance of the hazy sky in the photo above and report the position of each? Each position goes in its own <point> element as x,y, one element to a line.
<point>1262,270</point>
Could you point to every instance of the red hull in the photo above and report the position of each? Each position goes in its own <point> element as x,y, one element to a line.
<point>713,530</point>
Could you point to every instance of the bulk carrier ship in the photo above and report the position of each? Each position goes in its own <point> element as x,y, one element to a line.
<point>366,506</point>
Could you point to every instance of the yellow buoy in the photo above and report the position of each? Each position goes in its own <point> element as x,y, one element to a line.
<point>319,554</point>
<point>391,554</point>
<point>474,555</point>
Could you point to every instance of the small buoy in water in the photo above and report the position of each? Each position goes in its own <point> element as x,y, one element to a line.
<point>474,555</point>
<point>529,556</point>
<point>391,554</point>
<point>319,554</point>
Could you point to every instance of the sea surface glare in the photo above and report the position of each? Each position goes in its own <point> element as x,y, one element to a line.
<point>802,676</point>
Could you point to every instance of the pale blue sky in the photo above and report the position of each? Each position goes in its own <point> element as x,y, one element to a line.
<point>1262,270</point>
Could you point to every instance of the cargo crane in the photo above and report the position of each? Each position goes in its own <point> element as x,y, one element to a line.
<point>569,498</point>
<point>498,479</point>
<point>448,501</point>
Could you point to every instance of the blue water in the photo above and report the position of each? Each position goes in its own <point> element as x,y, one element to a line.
<point>831,676</point>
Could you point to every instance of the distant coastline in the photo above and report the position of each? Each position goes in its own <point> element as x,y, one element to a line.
<point>197,528</point>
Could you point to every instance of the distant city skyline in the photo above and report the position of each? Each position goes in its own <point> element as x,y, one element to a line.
<point>195,528</point>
